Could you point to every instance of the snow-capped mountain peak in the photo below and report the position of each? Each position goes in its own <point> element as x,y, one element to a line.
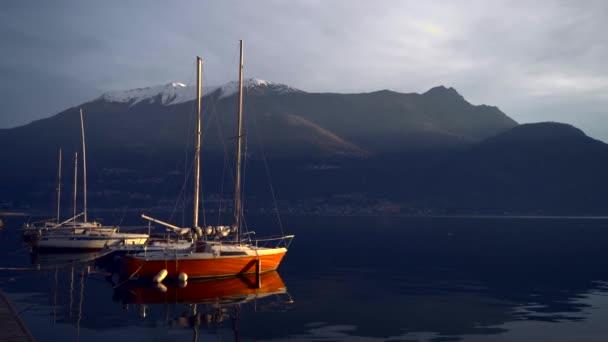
<point>255,85</point>
<point>167,94</point>
<point>175,92</point>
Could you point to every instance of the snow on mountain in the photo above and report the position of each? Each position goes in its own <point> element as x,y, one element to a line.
<point>253,84</point>
<point>168,94</point>
<point>174,93</point>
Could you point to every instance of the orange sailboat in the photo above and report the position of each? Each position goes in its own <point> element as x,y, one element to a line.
<point>211,254</point>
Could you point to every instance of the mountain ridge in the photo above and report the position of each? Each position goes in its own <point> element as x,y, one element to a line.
<point>361,124</point>
<point>424,153</point>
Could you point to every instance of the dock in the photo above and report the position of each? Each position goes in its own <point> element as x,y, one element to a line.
<point>12,328</point>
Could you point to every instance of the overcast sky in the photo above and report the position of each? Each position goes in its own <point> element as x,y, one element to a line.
<point>537,62</point>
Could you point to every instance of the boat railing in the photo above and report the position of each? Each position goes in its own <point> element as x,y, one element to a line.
<point>36,224</point>
<point>51,220</point>
<point>273,241</point>
<point>266,242</point>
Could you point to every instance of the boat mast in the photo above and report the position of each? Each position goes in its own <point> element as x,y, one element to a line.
<point>197,152</point>
<point>239,136</point>
<point>59,187</point>
<point>84,167</point>
<point>75,181</point>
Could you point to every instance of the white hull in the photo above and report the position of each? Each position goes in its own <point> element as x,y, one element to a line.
<point>34,232</point>
<point>87,240</point>
<point>150,246</point>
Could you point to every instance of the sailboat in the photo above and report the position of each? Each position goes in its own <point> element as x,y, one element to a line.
<point>213,255</point>
<point>80,235</point>
<point>54,225</point>
<point>30,229</point>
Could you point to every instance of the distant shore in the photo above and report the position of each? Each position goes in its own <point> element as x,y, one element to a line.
<point>12,213</point>
<point>354,214</point>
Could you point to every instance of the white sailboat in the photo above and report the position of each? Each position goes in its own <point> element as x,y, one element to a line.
<point>80,235</point>
<point>55,225</point>
<point>30,229</point>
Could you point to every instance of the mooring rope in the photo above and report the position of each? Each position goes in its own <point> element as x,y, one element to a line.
<point>129,278</point>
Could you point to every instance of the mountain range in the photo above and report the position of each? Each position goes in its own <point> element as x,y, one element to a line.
<point>378,152</point>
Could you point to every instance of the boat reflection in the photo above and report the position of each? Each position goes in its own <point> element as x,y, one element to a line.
<point>207,303</point>
<point>61,260</point>
<point>225,291</point>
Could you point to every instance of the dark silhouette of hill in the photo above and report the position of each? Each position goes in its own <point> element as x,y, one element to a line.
<point>532,169</point>
<point>544,168</point>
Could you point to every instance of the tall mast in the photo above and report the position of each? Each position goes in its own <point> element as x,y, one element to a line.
<point>84,168</point>
<point>239,136</point>
<point>75,181</point>
<point>197,152</point>
<point>59,187</point>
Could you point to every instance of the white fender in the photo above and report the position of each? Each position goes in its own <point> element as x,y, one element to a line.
<point>160,276</point>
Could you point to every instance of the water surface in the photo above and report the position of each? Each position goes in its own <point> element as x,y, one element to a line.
<point>350,278</point>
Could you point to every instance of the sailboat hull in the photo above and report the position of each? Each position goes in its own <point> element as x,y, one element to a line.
<point>85,242</point>
<point>201,265</point>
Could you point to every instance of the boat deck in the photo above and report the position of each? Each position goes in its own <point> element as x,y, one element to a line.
<point>12,328</point>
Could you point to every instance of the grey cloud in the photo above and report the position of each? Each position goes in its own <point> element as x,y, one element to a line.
<point>518,55</point>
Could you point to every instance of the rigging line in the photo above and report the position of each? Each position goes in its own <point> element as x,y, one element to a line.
<point>214,114</point>
<point>190,133</point>
<point>267,169</point>
<point>242,211</point>
<point>149,164</point>
<point>233,108</point>
<point>181,193</point>
<point>222,139</point>
<point>181,198</point>
<point>125,208</point>
<point>129,278</point>
<point>204,133</point>
<point>122,218</point>
<point>221,194</point>
<point>211,111</point>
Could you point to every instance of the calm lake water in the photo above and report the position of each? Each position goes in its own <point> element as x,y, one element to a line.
<point>348,279</point>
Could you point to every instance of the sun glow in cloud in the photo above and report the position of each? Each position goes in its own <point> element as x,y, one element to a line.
<point>433,29</point>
